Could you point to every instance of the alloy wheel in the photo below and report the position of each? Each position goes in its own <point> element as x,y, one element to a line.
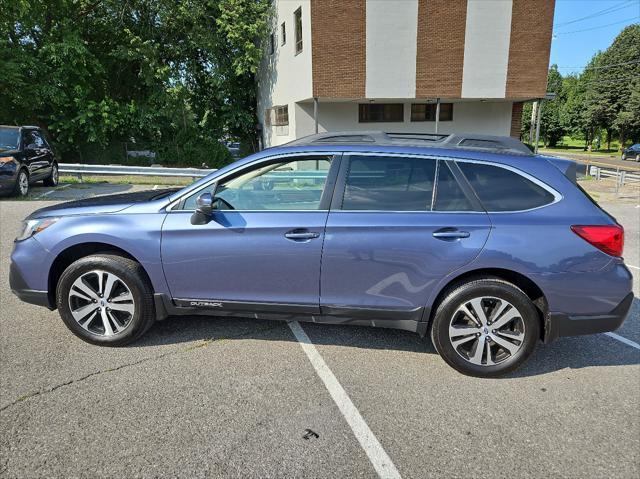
<point>23,183</point>
<point>55,175</point>
<point>101,303</point>
<point>486,331</point>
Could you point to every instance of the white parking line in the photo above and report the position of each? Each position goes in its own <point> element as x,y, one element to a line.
<point>53,191</point>
<point>155,187</point>
<point>631,266</point>
<point>372,447</point>
<point>626,341</point>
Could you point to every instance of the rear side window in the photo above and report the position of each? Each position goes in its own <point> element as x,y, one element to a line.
<point>389,184</point>
<point>449,194</point>
<point>500,189</point>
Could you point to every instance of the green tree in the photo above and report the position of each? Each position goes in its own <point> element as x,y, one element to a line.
<point>611,80</point>
<point>171,76</point>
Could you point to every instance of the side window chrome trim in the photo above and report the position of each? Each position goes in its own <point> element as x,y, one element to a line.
<point>465,160</point>
<point>175,203</point>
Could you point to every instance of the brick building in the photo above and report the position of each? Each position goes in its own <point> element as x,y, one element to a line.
<point>392,65</point>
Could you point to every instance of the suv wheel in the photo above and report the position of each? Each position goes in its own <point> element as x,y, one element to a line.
<point>106,300</point>
<point>638,157</point>
<point>55,176</point>
<point>21,187</point>
<point>485,328</point>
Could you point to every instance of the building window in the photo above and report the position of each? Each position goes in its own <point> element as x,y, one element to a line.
<point>297,22</point>
<point>272,43</point>
<point>283,34</point>
<point>427,111</point>
<point>281,115</point>
<point>381,112</point>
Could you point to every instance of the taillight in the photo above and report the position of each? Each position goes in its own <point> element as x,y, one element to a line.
<point>607,238</point>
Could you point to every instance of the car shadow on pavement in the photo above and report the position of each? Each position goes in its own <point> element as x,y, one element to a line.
<point>565,353</point>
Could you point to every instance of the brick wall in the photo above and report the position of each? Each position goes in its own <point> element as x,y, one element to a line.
<point>440,57</point>
<point>516,119</point>
<point>529,47</point>
<point>338,39</point>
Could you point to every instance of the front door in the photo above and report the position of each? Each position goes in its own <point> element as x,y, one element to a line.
<point>37,155</point>
<point>393,233</point>
<point>262,248</point>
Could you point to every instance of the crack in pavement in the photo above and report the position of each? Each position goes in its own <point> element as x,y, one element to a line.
<point>202,344</point>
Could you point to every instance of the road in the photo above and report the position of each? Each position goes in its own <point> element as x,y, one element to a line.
<point>599,160</point>
<point>211,397</point>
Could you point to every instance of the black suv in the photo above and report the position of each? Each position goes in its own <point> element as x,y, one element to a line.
<point>25,157</point>
<point>631,153</point>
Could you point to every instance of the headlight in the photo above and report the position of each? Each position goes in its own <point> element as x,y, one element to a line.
<point>32,227</point>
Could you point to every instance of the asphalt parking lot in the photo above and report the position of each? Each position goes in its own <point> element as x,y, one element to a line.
<point>211,397</point>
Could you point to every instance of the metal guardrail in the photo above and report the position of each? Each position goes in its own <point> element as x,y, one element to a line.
<point>78,170</point>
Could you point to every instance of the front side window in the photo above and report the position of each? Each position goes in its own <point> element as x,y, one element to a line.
<point>500,189</point>
<point>297,22</point>
<point>9,138</point>
<point>389,184</point>
<point>283,186</point>
<point>380,112</point>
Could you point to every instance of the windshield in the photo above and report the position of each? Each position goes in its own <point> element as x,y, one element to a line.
<point>9,138</point>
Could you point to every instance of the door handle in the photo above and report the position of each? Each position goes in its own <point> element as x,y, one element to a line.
<point>450,234</point>
<point>301,235</point>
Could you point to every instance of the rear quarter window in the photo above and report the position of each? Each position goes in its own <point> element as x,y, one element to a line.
<point>500,189</point>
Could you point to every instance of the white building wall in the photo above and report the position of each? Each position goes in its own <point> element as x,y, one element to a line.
<point>489,118</point>
<point>486,48</point>
<point>284,77</point>
<point>391,49</point>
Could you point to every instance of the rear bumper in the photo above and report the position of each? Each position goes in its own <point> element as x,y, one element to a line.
<point>558,324</point>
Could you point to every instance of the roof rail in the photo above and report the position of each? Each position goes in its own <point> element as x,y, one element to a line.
<point>463,141</point>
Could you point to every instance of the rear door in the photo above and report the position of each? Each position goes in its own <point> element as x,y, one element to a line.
<point>393,232</point>
<point>36,154</point>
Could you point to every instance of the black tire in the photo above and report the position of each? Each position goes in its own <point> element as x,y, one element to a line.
<point>484,287</point>
<point>21,188</point>
<point>135,278</point>
<point>53,178</point>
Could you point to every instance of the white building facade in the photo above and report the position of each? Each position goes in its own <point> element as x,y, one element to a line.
<point>418,66</point>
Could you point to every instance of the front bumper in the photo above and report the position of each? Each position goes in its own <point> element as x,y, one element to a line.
<point>558,324</point>
<point>21,290</point>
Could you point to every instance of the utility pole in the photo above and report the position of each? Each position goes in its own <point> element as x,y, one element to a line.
<point>437,113</point>
<point>538,126</point>
<point>534,116</point>
<point>315,112</point>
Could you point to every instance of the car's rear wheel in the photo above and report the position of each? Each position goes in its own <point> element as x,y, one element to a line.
<point>486,327</point>
<point>638,157</point>
<point>21,187</point>
<point>106,299</point>
<point>55,176</point>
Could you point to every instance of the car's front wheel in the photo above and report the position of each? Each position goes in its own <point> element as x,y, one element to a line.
<point>21,187</point>
<point>486,327</point>
<point>106,299</point>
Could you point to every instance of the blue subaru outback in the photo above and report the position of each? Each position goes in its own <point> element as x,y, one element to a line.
<point>469,238</point>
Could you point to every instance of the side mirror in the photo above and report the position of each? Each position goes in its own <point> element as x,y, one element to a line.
<point>204,209</point>
<point>204,203</point>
